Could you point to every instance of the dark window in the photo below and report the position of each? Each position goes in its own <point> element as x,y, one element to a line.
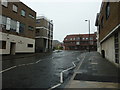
<point>38,21</point>
<point>2,44</point>
<point>4,21</point>
<point>13,25</point>
<point>107,10</point>
<point>21,28</point>
<point>99,29</point>
<point>102,22</point>
<point>31,28</point>
<point>37,31</point>
<point>116,44</point>
<point>30,45</point>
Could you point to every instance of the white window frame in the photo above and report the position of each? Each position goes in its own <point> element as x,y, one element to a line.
<point>83,38</point>
<point>31,16</point>
<point>86,38</point>
<point>23,13</point>
<point>18,25</point>
<point>71,39</point>
<point>8,24</point>
<point>15,8</point>
<point>77,43</point>
<point>4,3</point>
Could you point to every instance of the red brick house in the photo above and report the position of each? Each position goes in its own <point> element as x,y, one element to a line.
<point>80,42</point>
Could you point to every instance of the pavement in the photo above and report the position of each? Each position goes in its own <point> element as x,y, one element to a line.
<point>95,72</point>
<point>17,56</point>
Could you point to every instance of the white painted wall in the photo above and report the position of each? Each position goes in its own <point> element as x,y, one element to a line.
<point>108,46</point>
<point>21,43</point>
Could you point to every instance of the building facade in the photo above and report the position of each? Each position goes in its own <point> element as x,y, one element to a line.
<point>17,28</point>
<point>80,42</point>
<point>108,25</point>
<point>44,34</point>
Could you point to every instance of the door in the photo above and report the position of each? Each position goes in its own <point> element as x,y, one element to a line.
<point>12,48</point>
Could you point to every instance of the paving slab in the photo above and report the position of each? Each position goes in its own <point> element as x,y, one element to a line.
<point>95,72</point>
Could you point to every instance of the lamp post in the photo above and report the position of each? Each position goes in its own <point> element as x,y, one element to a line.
<point>89,32</point>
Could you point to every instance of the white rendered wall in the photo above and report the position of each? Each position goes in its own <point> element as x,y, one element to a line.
<point>21,43</point>
<point>108,47</point>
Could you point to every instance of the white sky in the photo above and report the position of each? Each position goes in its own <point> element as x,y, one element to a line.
<point>68,15</point>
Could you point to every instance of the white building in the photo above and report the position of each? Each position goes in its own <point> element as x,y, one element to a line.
<point>17,28</point>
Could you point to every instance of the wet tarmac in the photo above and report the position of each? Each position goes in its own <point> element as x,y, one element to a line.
<point>37,71</point>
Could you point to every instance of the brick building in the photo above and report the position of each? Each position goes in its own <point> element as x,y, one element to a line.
<point>80,42</point>
<point>17,28</point>
<point>44,34</point>
<point>108,24</point>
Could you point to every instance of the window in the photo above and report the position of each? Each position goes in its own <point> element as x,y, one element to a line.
<point>23,12</point>
<point>99,29</point>
<point>18,25</point>
<point>31,16</point>
<point>15,8</point>
<point>31,28</point>
<point>86,38</point>
<point>4,3</point>
<point>116,44</point>
<point>91,38</point>
<point>91,42</point>
<point>73,38</point>
<point>70,38</point>
<point>13,25</point>
<point>4,21</point>
<point>8,23</point>
<point>78,38</point>
<point>51,27</point>
<point>37,31</point>
<point>107,10</point>
<point>77,43</point>
<point>30,45</point>
<point>2,44</point>
<point>66,39</point>
<point>0,19</point>
<point>38,21</point>
<point>21,27</point>
<point>102,22</point>
<point>83,38</point>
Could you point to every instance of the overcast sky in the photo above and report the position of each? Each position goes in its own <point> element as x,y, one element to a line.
<point>68,15</point>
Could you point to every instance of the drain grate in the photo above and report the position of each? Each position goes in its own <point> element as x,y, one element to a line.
<point>86,77</point>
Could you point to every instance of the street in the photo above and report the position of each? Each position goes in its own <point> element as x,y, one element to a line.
<point>37,71</point>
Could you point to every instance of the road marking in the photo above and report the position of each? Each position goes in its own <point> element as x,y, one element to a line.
<point>61,75</point>
<point>38,61</point>
<point>80,63</point>
<point>8,69</point>
<point>19,66</point>
<point>30,64</point>
<point>55,86</point>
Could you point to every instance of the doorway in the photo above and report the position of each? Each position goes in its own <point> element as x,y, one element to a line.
<point>12,48</point>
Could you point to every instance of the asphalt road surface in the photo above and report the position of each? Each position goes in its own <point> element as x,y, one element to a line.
<point>37,71</point>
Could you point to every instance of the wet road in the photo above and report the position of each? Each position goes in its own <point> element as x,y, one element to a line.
<point>37,71</point>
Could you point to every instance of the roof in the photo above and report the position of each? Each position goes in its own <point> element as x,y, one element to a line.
<point>43,17</point>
